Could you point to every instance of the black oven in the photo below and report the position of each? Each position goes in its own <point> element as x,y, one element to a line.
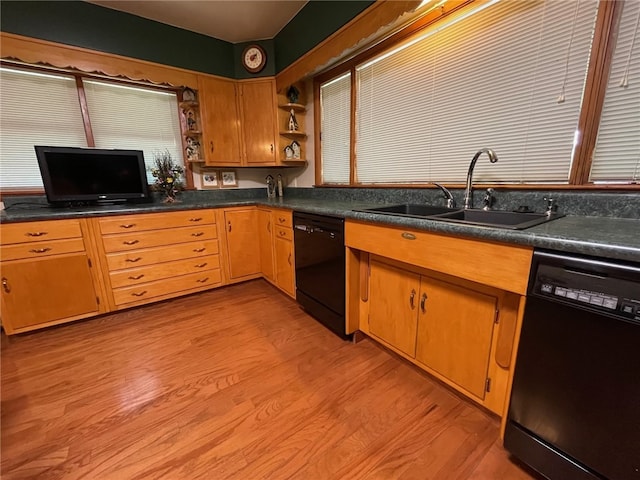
<point>320,268</point>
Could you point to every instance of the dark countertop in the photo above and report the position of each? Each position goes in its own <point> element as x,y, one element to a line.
<point>614,238</point>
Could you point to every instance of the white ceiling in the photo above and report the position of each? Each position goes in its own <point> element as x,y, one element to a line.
<point>233,21</point>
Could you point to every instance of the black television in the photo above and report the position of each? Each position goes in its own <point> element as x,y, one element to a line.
<point>92,176</point>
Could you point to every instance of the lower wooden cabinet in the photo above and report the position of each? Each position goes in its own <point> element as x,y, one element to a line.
<point>242,243</point>
<point>48,276</point>
<point>277,258</point>
<point>285,270</point>
<point>265,238</point>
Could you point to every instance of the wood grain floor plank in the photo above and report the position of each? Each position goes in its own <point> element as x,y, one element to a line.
<point>234,383</point>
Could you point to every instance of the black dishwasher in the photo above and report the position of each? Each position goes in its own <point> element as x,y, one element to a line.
<point>575,403</point>
<point>320,268</point>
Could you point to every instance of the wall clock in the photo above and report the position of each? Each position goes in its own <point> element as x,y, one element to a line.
<point>254,58</point>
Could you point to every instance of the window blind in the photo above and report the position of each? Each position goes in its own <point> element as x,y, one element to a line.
<point>134,118</point>
<point>37,109</point>
<point>487,79</point>
<point>335,129</point>
<point>616,157</point>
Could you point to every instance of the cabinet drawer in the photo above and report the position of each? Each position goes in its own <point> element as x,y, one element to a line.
<point>283,218</point>
<point>502,266</point>
<point>285,233</point>
<point>183,283</point>
<point>134,241</point>
<point>151,256</point>
<point>39,231</point>
<point>41,249</point>
<point>155,221</point>
<point>168,270</point>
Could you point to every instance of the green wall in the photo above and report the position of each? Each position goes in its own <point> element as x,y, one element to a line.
<point>98,28</point>
<point>315,22</point>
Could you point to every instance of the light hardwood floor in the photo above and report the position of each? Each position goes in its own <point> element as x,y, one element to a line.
<point>234,383</point>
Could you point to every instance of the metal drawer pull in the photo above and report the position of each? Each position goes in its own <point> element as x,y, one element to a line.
<point>35,234</point>
<point>423,301</point>
<point>282,220</point>
<point>39,250</point>
<point>202,280</point>
<point>133,260</point>
<point>135,294</point>
<point>412,298</point>
<point>5,285</point>
<point>282,234</point>
<point>197,234</point>
<point>200,265</point>
<point>408,236</point>
<point>195,219</point>
<point>137,277</point>
<point>128,225</point>
<point>199,250</point>
<point>131,242</point>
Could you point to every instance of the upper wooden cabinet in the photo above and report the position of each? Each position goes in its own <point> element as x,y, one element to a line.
<point>220,121</point>
<point>258,121</point>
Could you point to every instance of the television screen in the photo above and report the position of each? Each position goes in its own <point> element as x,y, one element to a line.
<point>90,175</point>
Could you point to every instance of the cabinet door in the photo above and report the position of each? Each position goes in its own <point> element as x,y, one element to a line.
<point>242,242</point>
<point>40,291</point>
<point>455,328</point>
<point>257,104</point>
<point>285,270</point>
<point>265,236</point>
<point>221,132</point>
<point>393,314</point>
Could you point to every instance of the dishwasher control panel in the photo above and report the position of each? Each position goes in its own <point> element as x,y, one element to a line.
<point>589,284</point>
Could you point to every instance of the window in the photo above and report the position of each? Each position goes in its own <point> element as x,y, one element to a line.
<point>37,109</point>
<point>517,77</point>
<point>617,153</point>
<point>41,108</point>
<point>134,118</point>
<point>335,125</point>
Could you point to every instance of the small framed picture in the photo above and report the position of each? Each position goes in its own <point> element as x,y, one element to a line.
<point>229,179</point>
<point>210,179</point>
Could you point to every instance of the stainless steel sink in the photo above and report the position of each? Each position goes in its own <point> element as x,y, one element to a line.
<point>410,210</point>
<point>497,218</point>
<point>491,218</point>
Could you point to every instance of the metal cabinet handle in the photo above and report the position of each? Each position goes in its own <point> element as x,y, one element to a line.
<point>5,285</point>
<point>200,265</point>
<point>136,294</point>
<point>128,225</point>
<point>35,234</point>
<point>282,220</point>
<point>136,277</point>
<point>289,259</point>
<point>199,250</point>
<point>211,143</point>
<point>408,236</point>
<point>202,280</point>
<point>39,250</point>
<point>133,260</point>
<point>195,219</point>
<point>131,242</point>
<point>269,227</point>
<point>423,301</point>
<point>197,234</point>
<point>282,234</point>
<point>272,148</point>
<point>412,298</point>
<point>229,225</point>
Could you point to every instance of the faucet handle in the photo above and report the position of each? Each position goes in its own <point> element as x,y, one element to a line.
<point>552,207</point>
<point>446,194</point>
<point>488,199</point>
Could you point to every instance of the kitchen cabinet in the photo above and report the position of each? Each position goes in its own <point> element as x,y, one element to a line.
<point>275,227</point>
<point>242,243</point>
<point>258,121</point>
<point>149,257</point>
<point>48,275</point>
<point>452,306</point>
<point>265,237</point>
<point>220,121</point>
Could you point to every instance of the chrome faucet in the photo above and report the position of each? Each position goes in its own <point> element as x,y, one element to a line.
<point>451,202</point>
<point>468,193</point>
